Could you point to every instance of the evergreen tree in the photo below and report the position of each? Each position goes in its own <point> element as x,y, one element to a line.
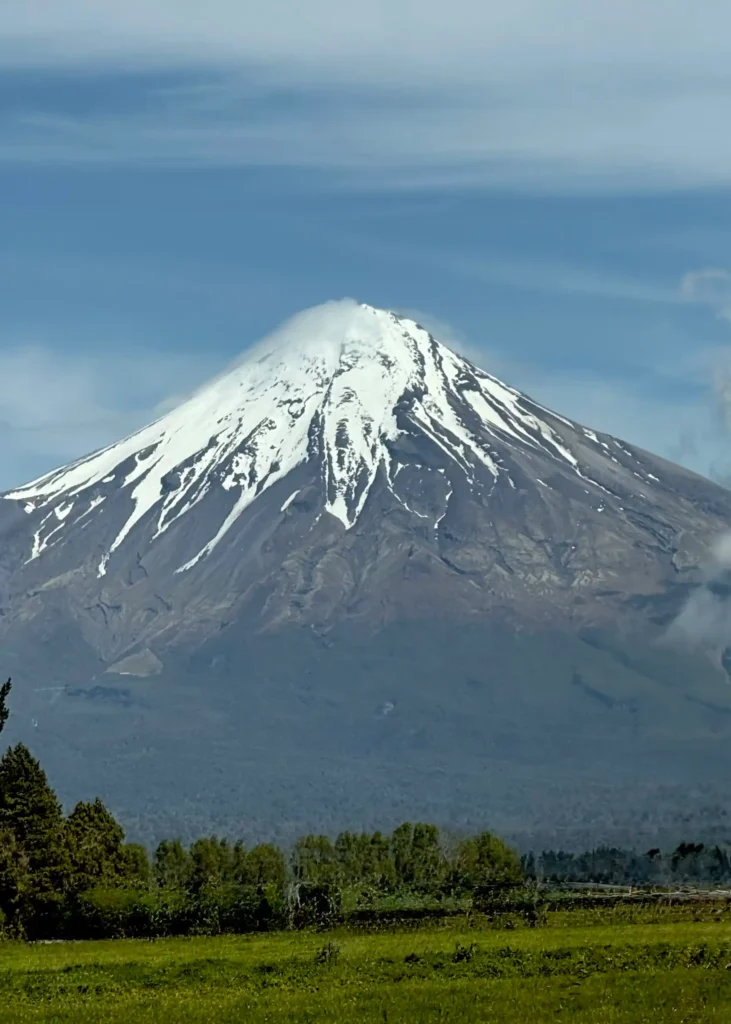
<point>95,846</point>
<point>4,710</point>
<point>16,884</point>
<point>528,866</point>
<point>558,866</point>
<point>30,811</point>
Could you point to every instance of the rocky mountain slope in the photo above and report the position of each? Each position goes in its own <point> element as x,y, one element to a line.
<point>357,572</point>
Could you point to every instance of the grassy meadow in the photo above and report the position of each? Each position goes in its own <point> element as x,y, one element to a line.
<point>631,965</point>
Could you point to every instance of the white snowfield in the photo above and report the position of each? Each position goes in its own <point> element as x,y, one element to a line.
<point>334,373</point>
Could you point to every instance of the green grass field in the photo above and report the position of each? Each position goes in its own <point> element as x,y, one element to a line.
<point>666,967</point>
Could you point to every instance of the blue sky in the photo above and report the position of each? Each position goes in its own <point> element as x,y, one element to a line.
<point>545,184</point>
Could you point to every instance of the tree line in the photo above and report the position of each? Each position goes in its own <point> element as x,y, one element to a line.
<point>74,875</point>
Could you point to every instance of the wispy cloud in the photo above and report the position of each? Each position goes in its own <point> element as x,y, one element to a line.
<point>709,287</point>
<point>560,278</point>
<point>328,37</point>
<point>521,94</point>
<point>56,407</point>
<point>680,429</point>
<point>705,619</point>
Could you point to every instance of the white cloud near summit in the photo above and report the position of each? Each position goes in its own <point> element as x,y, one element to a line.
<point>55,407</point>
<point>519,93</point>
<point>709,287</point>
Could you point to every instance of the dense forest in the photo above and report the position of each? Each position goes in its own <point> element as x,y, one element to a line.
<point>74,875</point>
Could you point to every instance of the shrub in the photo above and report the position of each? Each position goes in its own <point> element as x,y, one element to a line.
<point>317,906</point>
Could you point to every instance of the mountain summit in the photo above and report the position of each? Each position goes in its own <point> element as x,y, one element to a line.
<point>356,549</point>
<point>340,387</point>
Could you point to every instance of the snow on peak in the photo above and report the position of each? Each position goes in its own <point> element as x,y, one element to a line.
<point>336,371</point>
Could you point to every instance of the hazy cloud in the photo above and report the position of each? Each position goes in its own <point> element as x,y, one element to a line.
<point>517,93</point>
<point>328,37</point>
<point>437,326</point>
<point>559,278</point>
<point>709,287</point>
<point>705,620</point>
<point>55,408</point>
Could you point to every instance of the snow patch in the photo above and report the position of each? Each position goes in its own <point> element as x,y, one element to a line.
<point>446,509</point>
<point>289,501</point>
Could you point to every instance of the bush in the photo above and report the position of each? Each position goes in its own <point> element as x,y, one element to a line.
<point>237,908</point>
<point>129,913</point>
<point>500,902</point>
<point>314,906</point>
<point>102,913</point>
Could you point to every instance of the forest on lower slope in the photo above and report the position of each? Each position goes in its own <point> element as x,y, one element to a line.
<point>74,875</point>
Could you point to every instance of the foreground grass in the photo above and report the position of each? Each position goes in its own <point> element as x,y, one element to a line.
<point>594,974</point>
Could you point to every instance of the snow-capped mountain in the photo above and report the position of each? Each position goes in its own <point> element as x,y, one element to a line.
<point>354,501</point>
<point>340,390</point>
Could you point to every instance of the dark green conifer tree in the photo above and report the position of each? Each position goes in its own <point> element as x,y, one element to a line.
<point>95,841</point>
<point>4,709</point>
<point>16,885</point>
<point>31,815</point>
<point>30,810</point>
